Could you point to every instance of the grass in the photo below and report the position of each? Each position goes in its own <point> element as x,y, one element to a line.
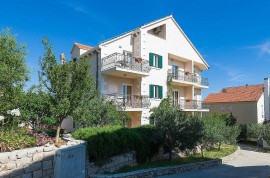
<point>208,155</point>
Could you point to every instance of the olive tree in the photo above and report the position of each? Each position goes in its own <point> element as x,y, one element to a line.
<point>177,128</point>
<point>66,84</point>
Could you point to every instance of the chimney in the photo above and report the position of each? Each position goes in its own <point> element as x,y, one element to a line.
<point>266,99</point>
<point>62,58</point>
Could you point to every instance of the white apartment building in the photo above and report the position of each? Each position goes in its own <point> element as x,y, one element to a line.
<point>132,69</point>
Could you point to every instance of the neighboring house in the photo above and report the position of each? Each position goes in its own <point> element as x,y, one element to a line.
<point>132,69</point>
<point>249,103</point>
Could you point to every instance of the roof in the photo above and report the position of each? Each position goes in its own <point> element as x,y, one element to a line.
<point>81,46</point>
<point>130,31</point>
<point>246,93</point>
<point>146,25</point>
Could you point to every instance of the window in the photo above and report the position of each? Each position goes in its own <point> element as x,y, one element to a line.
<point>155,91</point>
<point>155,60</point>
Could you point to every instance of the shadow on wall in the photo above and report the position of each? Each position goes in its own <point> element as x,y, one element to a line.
<point>46,161</point>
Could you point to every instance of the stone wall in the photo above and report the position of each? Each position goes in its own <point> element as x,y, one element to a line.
<point>113,164</point>
<point>31,162</point>
<point>27,163</point>
<point>153,172</point>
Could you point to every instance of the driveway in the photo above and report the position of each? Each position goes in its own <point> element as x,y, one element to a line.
<point>250,163</point>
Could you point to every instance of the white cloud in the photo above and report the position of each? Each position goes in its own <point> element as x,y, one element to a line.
<point>234,75</point>
<point>237,77</point>
<point>263,50</point>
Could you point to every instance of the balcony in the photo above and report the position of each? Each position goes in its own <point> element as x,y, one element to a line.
<point>188,79</point>
<point>126,66</point>
<point>193,105</point>
<point>128,102</point>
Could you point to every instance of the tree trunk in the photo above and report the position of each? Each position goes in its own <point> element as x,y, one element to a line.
<point>202,151</point>
<point>219,146</point>
<point>58,131</point>
<point>57,134</point>
<point>170,155</point>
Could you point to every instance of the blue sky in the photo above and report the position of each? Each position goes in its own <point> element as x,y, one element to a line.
<point>232,35</point>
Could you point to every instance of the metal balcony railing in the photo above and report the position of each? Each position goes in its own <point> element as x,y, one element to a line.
<point>188,77</point>
<point>191,104</point>
<point>128,101</point>
<point>125,62</point>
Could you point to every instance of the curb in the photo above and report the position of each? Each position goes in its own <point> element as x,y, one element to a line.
<point>160,171</point>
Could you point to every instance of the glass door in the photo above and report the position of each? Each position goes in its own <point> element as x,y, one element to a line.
<point>127,95</point>
<point>175,71</point>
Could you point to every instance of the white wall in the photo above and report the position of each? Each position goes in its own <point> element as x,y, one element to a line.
<point>117,46</point>
<point>266,99</point>
<point>260,109</point>
<point>76,52</point>
<point>175,43</point>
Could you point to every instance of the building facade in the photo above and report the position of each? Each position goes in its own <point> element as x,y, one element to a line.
<point>249,103</point>
<point>133,69</point>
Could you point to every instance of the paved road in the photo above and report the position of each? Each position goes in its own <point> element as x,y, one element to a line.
<point>250,163</point>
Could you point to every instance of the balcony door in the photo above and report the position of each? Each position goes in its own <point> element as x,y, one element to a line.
<point>127,95</point>
<point>175,71</point>
<point>175,98</point>
<point>127,58</point>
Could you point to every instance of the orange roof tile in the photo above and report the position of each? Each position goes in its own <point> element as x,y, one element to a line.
<point>81,46</point>
<point>236,94</point>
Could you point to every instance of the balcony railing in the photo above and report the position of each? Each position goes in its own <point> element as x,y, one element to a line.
<point>125,62</point>
<point>128,101</point>
<point>188,77</point>
<point>191,104</point>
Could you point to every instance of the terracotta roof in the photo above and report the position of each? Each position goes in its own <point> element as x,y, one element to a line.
<point>236,94</point>
<point>81,46</point>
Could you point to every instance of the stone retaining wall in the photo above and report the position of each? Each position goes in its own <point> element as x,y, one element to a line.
<point>172,169</point>
<point>34,162</point>
<point>163,170</point>
<point>113,164</point>
<point>27,163</point>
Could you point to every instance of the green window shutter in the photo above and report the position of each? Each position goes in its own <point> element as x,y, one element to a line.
<point>151,56</point>
<point>160,62</point>
<point>160,92</point>
<point>151,91</point>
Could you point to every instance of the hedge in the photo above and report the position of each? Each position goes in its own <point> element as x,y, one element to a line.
<point>109,141</point>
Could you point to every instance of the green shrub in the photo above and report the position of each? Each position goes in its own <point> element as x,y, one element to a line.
<point>109,141</point>
<point>15,139</point>
<point>254,131</point>
<point>266,133</point>
<point>243,132</point>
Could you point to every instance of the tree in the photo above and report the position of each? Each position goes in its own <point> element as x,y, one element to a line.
<point>177,129</point>
<point>36,108</point>
<point>217,132</point>
<point>266,133</point>
<point>13,71</point>
<point>98,113</point>
<point>66,84</point>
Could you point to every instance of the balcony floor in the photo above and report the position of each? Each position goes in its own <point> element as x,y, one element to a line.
<point>124,73</point>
